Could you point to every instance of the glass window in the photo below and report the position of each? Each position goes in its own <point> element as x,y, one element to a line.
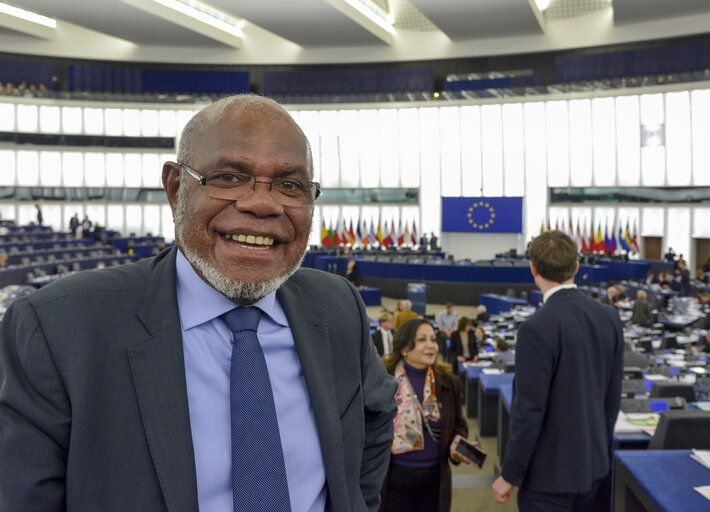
<point>94,121</point>
<point>349,149</point>
<point>151,219</point>
<point>557,144</point>
<point>114,169</point>
<point>167,228</point>
<point>628,140</point>
<point>27,118</point>
<point>134,219</point>
<point>492,143</point>
<point>408,119</point>
<point>678,231</point>
<point>7,117</point>
<point>450,136</point>
<point>513,143</point>
<point>95,169</point>
<point>50,168</point>
<point>150,123</point>
<point>131,122</point>
<point>7,164</point>
<point>535,203</point>
<point>329,148</point>
<point>389,147</point>
<point>678,138</point>
<point>369,149</point>
<point>603,139</point>
<point>652,221</point>
<point>73,169</point>
<point>71,120</point>
<point>430,197</point>
<point>28,163</point>
<point>701,136</point>
<point>166,123</point>
<point>48,119</point>
<point>152,171</point>
<point>133,170</point>
<point>115,220</point>
<point>113,118</point>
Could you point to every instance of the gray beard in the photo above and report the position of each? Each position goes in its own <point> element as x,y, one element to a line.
<point>241,292</point>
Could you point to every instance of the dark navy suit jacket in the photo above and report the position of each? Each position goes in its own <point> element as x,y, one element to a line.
<point>567,392</point>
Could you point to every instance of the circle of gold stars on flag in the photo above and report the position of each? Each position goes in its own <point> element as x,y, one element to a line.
<point>481,215</point>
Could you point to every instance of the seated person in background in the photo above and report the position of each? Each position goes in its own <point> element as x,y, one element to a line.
<point>651,278</point>
<point>384,336</point>
<point>504,355</point>
<point>463,344</point>
<point>3,259</point>
<point>634,359</point>
<point>703,345</point>
<point>480,336</point>
<point>405,313</point>
<point>703,297</point>
<point>447,320</point>
<point>641,312</point>
<point>700,277</point>
<point>481,314</point>
<point>614,296</point>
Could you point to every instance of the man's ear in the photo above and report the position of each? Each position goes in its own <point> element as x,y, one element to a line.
<point>533,270</point>
<point>171,183</point>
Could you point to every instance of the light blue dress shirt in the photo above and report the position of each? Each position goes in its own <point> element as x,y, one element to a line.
<point>207,347</point>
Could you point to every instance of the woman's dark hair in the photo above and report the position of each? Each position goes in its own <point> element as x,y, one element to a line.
<point>463,322</point>
<point>404,339</point>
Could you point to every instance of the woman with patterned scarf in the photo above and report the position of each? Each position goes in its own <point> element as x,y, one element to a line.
<point>428,425</point>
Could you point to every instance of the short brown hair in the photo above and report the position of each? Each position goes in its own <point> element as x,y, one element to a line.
<point>502,345</point>
<point>554,255</point>
<point>463,322</point>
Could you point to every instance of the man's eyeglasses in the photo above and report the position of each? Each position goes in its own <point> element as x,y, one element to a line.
<point>232,185</point>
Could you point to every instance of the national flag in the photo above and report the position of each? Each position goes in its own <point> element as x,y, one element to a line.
<point>542,226</point>
<point>613,242</point>
<point>599,240</point>
<point>343,232</point>
<point>634,241</point>
<point>406,238</point>
<point>380,236</point>
<point>627,236</point>
<point>592,239</point>
<point>549,228</point>
<point>364,236</point>
<point>400,234</point>
<point>325,239</point>
<point>415,241</point>
<point>622,240</point>
<point>336,233</point>
<point>351,234</point>
<point>373,234</point>
<point>583,239</point>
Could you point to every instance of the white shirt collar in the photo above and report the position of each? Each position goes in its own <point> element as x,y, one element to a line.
<point>556,289</point>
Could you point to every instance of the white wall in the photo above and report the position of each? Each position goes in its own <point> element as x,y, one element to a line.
<point>479,246</point>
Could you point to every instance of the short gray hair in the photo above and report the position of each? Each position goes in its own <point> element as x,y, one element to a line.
<point>235,104</point>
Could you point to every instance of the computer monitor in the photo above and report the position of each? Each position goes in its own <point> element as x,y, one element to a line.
<point>671,389</point>
<point>669,342</point>
<point>640,405</point>
<point>682,430</point>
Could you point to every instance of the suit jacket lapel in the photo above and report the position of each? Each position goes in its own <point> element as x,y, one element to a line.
<point>311,336</point>
<point>158,370</point>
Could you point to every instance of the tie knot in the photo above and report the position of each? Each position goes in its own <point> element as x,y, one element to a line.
<point>242,319</point>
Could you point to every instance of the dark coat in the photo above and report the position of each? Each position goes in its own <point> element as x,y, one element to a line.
<point>449,391</point>
<point>566,397</point>
<point>641,314</point>
<point>457,346</point>
<point>379,344</point>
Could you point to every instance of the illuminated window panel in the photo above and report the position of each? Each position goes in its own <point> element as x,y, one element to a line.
<point>628,140</point>
<point>166,123</point>
<point>389,148</point>
<point>26,213</point>
<point>408,120</point>
<point>96,214</point>
<point>701,223</point>
<point>410,219</point>
<point>535,203</point>
<point>133,169</point>
<point>329,150</point>
<point>28,168</point>
<point>27,118</point>
<point>652,112</point>
<point>450,136</point>
<point>603,138</point>
<point>557,144</point>
<point>580,143</point>
<point>166,157</point>
<point>94,121</point>
<point>7,167</point>
<point>7,117</point>
<point>492,152</point>
<point>114,169</point>
<point>581,220</point>
<point>151,219</point>
<point>653,166</point>
<point>50,168</point>
<point>134,219</point>
<point>52,217</point>
<point>652,221</point>
<point>8,212</point>
<point>95,169</point>
<point>150,123</point>
<point>513,143</point>
<point>113,121</point>
<point>349,149</point>
<point>131,122</point>
<point>167,228</point>
<point>308,122</point>
<point>71,120</point>
<point>430,191</point>
<point>73,169</point>
<point>115,218</point>
<point>678,139</point>
<point>49,119</point>
<point>559,217</point>
<point>152,170</point>
<point>701,136</point>
<point>471,173</point>
<point>678,231</point>
<point>369,148</point>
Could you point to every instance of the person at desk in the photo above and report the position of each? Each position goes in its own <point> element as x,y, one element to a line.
<point>404,313</point>
<point>641,312</point>
<point>567,391</point>
<point>703,345</point>
<point>428,426</point>
<point>683,277</point>
<point>447,320</point>
<point>634,359</point>
<point>481,314</point>
<point>383,338</point>
<point>503,354</point>
<point>463,344</point>
<point>612,297</point>
<point>145,387</point>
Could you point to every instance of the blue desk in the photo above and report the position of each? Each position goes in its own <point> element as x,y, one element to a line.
<point>371,296</point>
<point>472,374</point>
<point>496,304</point>
<point>488,388</point>
<point>658,481</point>
<point>505,399</point>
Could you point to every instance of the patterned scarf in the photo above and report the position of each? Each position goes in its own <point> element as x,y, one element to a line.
<point>408,425</point>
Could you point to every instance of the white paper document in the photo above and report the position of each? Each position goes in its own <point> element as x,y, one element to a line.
<point>702,456</point>
<point>704,490</point>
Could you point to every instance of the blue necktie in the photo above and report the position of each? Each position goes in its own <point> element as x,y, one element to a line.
<point>258,469</point>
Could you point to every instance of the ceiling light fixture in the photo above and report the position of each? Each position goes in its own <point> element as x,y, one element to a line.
<point>25,15</point>
<point>374,13</point>
<point>206,14</point>
<point>542,4</point>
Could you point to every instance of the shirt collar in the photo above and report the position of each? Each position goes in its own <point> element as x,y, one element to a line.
<point>199,303</point>
<point>556,289</point>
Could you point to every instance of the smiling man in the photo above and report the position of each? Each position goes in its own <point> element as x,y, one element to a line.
<point>216,376</point>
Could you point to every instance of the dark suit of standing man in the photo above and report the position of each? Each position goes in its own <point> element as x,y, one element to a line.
<point>104,374</point>
<point>386,329</point>
<point>567,391</point>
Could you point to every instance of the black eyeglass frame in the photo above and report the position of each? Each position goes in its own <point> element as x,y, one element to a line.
<point>202,179</point>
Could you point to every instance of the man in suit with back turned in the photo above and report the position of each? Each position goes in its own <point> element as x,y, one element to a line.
<point>567,392</point>
<point>216,376</point>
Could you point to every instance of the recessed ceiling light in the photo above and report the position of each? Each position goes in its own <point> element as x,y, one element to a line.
<point>26,15</point>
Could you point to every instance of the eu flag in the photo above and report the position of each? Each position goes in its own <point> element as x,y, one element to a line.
<point>482,214</point>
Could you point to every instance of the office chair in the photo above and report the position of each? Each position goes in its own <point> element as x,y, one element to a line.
<point>682,430</point>
<point>630,387</point>
<point>640,405</point>
<point>671,389</point>
<point>632,372</point>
